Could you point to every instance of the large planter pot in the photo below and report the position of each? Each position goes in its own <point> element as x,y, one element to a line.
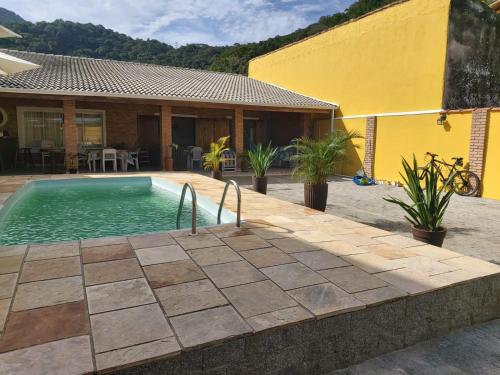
<point>217,175</point>
<point>244,165</point>
<point>315,196</point>
<point>260,184</point>
<point>435,238</point>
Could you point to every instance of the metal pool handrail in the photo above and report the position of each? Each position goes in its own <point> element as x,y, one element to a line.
<point>238,195</point>
<point>181,204</point>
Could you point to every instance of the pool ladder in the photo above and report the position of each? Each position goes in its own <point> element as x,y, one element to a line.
<point>189,186</point>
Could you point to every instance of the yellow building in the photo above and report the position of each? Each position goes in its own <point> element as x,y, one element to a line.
<point>394,73</point>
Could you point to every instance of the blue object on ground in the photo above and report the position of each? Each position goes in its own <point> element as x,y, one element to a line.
<point>363,181</point>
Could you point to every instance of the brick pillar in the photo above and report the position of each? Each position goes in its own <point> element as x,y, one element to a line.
<point>306,125</point>
<point>238,130</point>
<point>479,130</point>
<point>370,139</point>
<point>167,163</point>
<point>70,130</point>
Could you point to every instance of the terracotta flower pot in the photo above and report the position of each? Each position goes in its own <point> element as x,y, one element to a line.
<point>260,184</point>
<point>435,238</point>
<point>315,196</point>
<point>217,175</point>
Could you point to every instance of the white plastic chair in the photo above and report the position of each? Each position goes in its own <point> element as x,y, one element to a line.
<point>133,156</point>
<point>93,156</point>
<point>123,157</point>
<point>44,145</point>
<point>109,154</point>
<point>196,153</point>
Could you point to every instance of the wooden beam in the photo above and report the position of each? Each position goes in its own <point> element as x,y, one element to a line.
<point>238,130</point>
<point>167,162</point>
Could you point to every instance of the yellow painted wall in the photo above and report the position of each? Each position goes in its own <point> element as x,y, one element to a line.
<point>491,176</point>
<point>355,155</point>
<point>390,61</point>
<point>404,136</point>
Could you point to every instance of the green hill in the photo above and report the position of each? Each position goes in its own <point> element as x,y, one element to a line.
<point>77,39</point>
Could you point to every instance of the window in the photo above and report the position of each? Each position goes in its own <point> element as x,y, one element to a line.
<point>38,124</point>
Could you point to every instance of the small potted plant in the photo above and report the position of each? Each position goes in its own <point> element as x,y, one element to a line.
<point>260,160</point>
<point>72,163</point>
<point>212,160</point>
<point>316,162</point>
<point>244,164</point>
<point>428,203</point>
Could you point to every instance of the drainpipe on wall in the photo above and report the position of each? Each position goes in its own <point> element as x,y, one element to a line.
<point>332,120</point>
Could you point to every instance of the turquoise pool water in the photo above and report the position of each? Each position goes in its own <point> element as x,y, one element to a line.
<point>50,211</point>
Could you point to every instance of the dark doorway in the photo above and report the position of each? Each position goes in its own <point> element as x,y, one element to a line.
<point>183,135</point>
<point>249,134</point>
<point>148,134</point>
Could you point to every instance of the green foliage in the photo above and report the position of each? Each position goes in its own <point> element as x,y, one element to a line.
<point>429,203</point>
<point>77,39</point>
<point>261,158</point>
<point>316,160</point>
<point>213,158</point>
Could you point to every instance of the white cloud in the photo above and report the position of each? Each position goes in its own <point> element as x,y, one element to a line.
<point>180,22</point>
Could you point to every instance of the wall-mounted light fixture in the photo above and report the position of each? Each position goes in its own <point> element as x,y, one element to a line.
<point>441,119</point>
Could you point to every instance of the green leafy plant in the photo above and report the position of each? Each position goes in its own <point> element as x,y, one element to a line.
<point>428,202</point>
<point>213,159</point>
<point>261,158</point>
<point>316,160</point>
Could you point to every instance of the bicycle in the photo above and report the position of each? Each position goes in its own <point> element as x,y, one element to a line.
<point>462,181</point>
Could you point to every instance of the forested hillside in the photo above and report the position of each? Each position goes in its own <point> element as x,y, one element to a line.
<point>77,39</point>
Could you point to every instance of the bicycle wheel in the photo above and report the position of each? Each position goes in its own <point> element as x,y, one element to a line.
<point>465,183</point>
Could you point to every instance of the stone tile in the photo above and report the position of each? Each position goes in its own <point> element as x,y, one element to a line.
<point>293,275</point>
<point>10,264</point>
<point>456,277</point>
<point>341,248</point>
<point>314,236</point>
<point>425,265</point>
<point>107,272</point>
<point>38,326</point>
<point>58,250</point>
<point>164,274</point>
<point>279,318</point>
<point>209,326</point>
<point>320,260</point>
<point>104,241</point>
<point>63,357</point>
<point>388,251</point>
<point>149,351</point>
<point>399,241</point>
<point>199,241</point>
<point>371,231</point>
<point>474,265</point>
<point>106,253</point>
<point>187,232</point>
<point>120,329</point>
<point>372,263</point>
<point>357,239</point>
<point>4,311</point>
<point>50,269</point>
<point>326,300</point>
<point>48,293</point>
<point>160,254</point>
<point>234,273</point>
<point>7,285</point>
<point>258,298</point>
<point>241,243</point>
<point>9,251</point>
<point>214,255</point>
<point>229,230</point>
<point>379,295</point>
<point>189,297</point>
<point>352,279</point>
<point>293,245</point>
<point>270,233</point>
<point>267,257</point>
<point>119,295</point>
<point>411,281</point>
<point>151,240</point>
<point>433,252</point>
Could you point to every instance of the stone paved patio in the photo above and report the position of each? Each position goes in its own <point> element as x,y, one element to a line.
<point>289,290</point>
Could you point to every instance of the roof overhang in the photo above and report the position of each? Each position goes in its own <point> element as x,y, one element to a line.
<point>7,33</point>
<point>328,107</point>
<point>495,5</point>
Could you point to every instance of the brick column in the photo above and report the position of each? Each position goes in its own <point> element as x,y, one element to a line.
<point>238,130</point>
<point>479,130</point>
<point>70,130</point>
<point>370,139</point>
<point>167,163</point>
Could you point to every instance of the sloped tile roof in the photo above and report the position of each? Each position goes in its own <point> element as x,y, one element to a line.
<point>86,76</point>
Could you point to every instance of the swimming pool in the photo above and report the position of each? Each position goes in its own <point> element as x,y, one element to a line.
<point>61,210</point>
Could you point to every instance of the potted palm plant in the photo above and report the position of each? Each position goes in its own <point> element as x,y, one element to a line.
<point>316,162</point>
<point>260,160</point>
<point>428,203</point>
<point>212,160</point>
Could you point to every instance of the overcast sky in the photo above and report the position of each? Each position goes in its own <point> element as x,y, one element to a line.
<point>178,22</point>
